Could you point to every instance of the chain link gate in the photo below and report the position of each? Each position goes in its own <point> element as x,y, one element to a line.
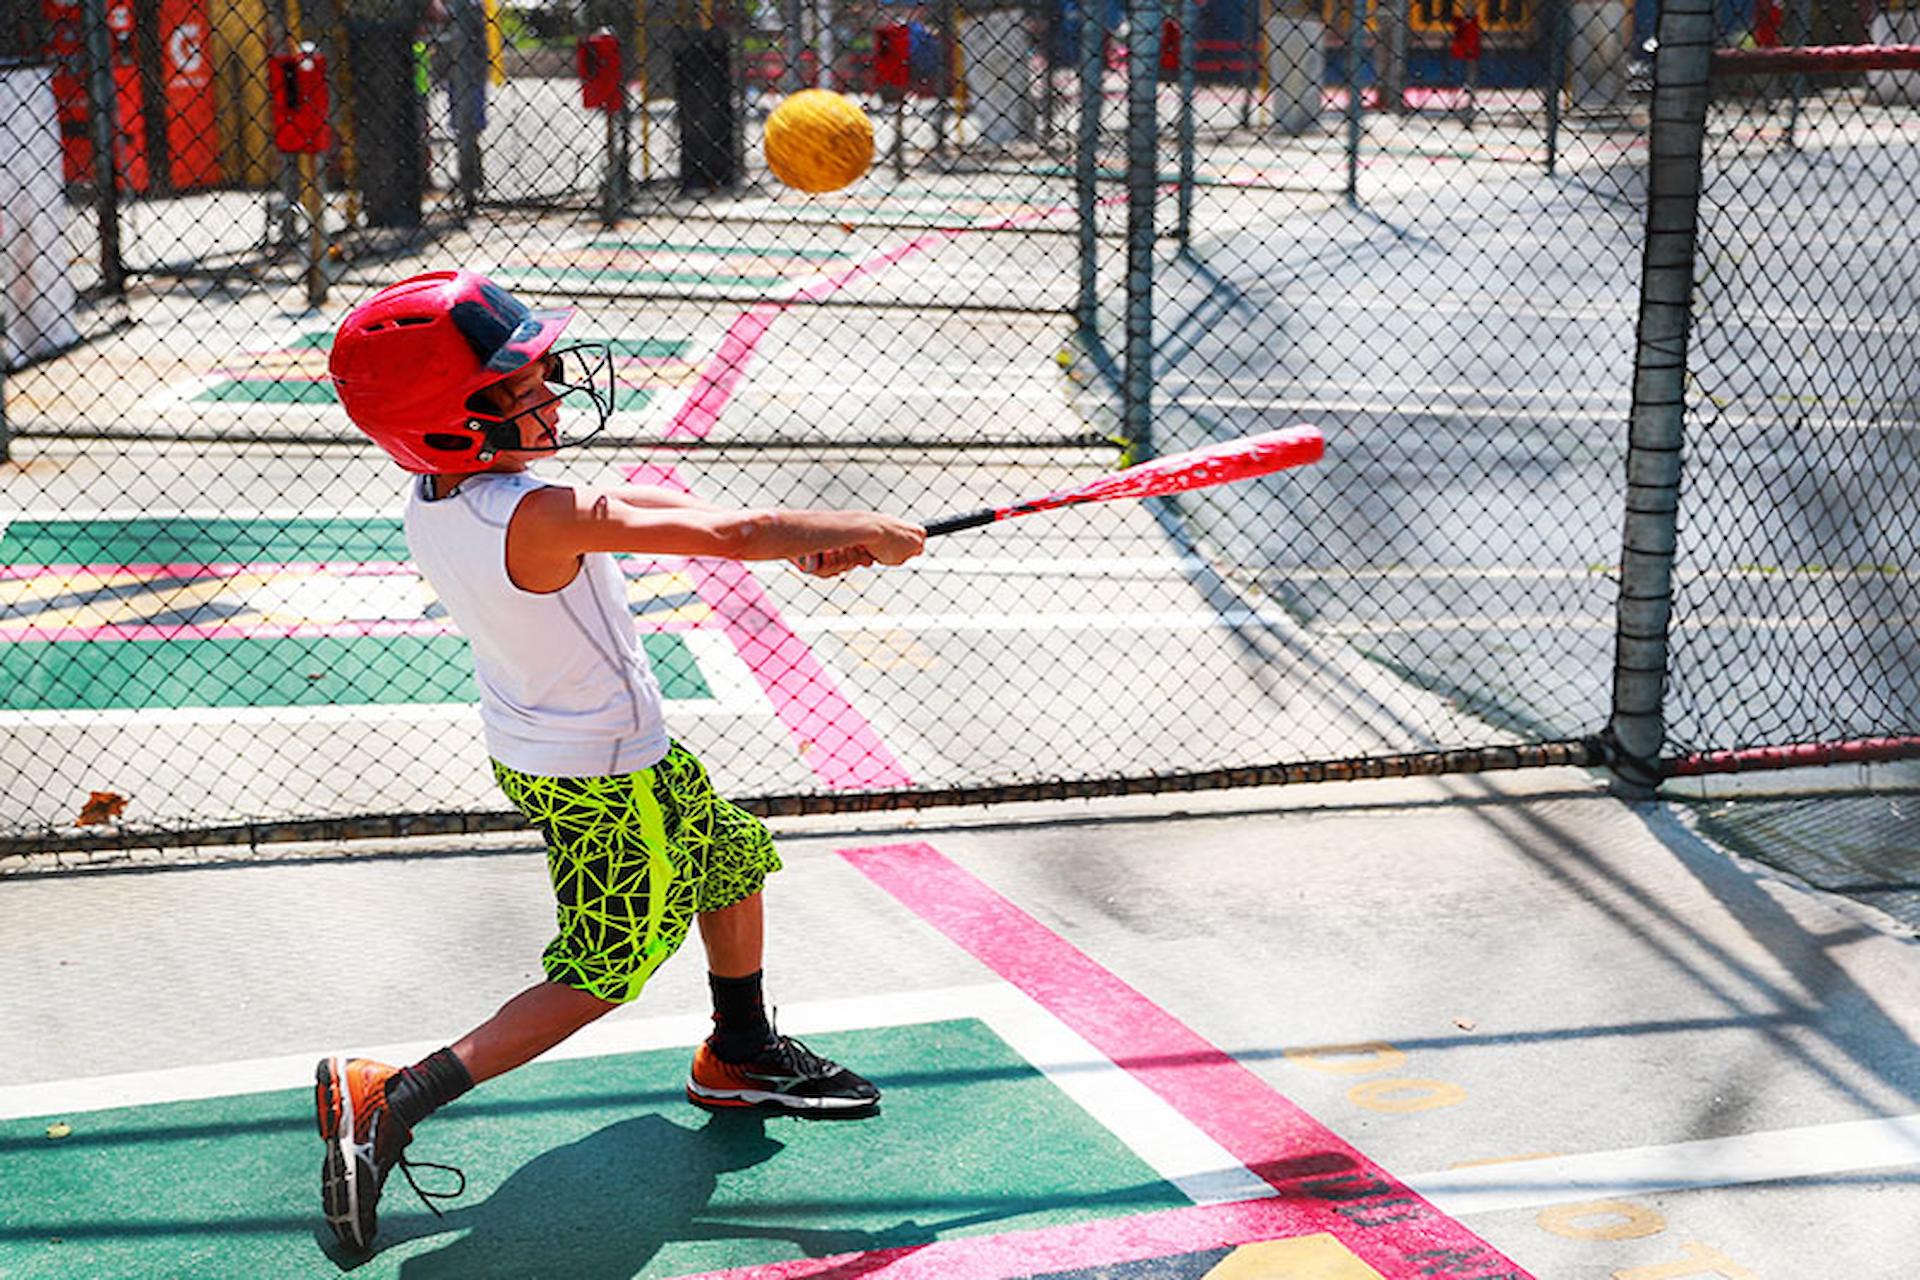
<point>1419,228</point>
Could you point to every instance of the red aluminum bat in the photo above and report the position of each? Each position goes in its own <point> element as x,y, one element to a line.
<point>1222,463</point>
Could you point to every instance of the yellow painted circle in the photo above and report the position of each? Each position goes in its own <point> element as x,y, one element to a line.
<point>1618,1220</point>
<point>1402,1095</point>
<point>818,141</point>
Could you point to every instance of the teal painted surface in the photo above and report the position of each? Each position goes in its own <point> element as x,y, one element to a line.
<point>582,1169</point>
<point>262,671</point>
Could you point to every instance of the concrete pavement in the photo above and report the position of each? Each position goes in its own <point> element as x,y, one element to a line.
<point>1589,1038</point>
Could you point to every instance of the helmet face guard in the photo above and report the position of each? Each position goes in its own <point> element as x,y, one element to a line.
<point>408,363</point>
<point>578,369</point>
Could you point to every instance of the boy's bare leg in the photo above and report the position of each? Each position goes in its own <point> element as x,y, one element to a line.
<point>734,937</point>
<point>543,1015</point>
<point>526,1027</point>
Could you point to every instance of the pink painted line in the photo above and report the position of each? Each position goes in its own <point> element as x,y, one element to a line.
<point>700,412</point>
<point>1013,1254</point>
<point>1327,1185</point>
<point>714,387</point>
<point>834,739</point>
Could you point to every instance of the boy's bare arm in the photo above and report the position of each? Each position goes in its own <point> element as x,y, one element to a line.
<point>646,495</point>
<point>553,527</point>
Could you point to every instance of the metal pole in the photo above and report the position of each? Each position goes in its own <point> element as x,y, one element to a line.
<point>1256,61</point>
<point>102,104</point>
<point>900,136</point>
<point>1356,32</point>
<point>643,54</point>
<point>1557,16</point>
<point>950,50</point>
<point>6,362</point>
<point>1656,434</point>
<point>1189,19</point>
<point>1390,80</point>
<point>1143,85</point>
<point>316,208</point>
<point>610,189</point>
<point>1049,20</point>
<point>1086,161</point>
<point>792,45</point>
<point>1799,23</point>
<point>467,88</point>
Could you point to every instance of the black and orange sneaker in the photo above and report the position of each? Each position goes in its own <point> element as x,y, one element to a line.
<point>364,1143</point>
<point>784,1076</point>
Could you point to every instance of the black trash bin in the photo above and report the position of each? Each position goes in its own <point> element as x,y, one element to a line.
<point>389,122</point>
<point>703,88</point>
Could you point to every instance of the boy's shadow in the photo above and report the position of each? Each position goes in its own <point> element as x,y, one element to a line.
<point>604,1206</point>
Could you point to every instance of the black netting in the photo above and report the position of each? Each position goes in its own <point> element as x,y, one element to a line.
<point>1795,605</point>
<point>1419,230</point>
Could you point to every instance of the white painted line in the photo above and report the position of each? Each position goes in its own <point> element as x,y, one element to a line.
<point>1561,622</point>
<point>1052,567</point>
<point>1813,1151</point>
<point>74,515</point>
<point>1195,621</point>
<point>962,398</point>
<point>732,699</point>
<point>1146,1122</point>
<point>730,683</point>
<point>733,686</point>
<point>1149,1126</point>
<point>128,717</point>
<point>1504,394</point>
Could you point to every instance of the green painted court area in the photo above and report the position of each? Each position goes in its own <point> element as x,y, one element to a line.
<point>589,1168</point>
<point>193,540</point>
<point>262,671</point>
<point>103,673</point>
<point>798,253</point>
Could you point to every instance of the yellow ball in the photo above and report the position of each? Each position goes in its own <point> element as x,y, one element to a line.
<point>818,141</point>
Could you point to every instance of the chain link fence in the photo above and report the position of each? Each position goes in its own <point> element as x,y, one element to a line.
<point>1418,226</point>
<point>1795,612</point>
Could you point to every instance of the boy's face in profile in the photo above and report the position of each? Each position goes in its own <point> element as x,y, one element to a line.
<point>525,399</point>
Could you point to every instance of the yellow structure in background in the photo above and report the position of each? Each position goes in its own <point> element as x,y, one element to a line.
<point>238,45</point>
<point>1435,17</point>
<point>496,45</point>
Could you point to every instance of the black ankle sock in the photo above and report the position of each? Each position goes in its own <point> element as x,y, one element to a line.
<point>416,1092</point>
<point>740,1011</point>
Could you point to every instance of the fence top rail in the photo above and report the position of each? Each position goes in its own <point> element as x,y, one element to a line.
<point>1812,59</point>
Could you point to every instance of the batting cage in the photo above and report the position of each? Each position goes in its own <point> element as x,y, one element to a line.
<point>1608,329</point>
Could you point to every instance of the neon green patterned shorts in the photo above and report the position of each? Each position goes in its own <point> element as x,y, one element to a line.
<point>633,858</point>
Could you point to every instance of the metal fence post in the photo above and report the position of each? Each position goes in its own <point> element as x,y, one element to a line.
<point>943,106</point>
<point>1557,15</point>
<point>1143,180</point>
<point>1356,31</point>
<point>467,91</point>
<point>1636,730</point>
<point>102,105</point>
<point>1189,19</point>
<point>6,362</point>
<point>1799,27</point>
<point>1086,163</point>
<point>792,46</point>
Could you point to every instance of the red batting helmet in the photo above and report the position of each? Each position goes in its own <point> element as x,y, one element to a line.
<point>408,361</point>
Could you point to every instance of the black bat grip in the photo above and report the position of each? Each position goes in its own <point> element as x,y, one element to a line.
<point>968,520</point>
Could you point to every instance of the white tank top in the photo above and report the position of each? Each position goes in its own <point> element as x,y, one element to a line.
<point>565,688</point>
